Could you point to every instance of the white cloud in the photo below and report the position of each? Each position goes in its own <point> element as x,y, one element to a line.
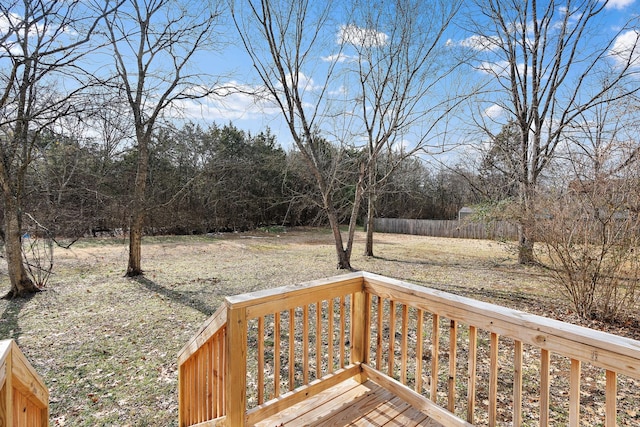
<point>626,48</point>
<point>494,112</point>
<point>499,68</point>
<point>232,101</point>
<point>476,42</point>
<point>304,83</point>
<point>618,4</point>
<point>339,91</point>
<point>339,57</point>
<point>358,36</point>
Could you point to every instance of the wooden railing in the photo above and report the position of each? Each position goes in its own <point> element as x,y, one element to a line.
<point>461,361</point>
<point>24,399</point>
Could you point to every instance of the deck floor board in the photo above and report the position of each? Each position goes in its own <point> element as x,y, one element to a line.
<point>351,404</point>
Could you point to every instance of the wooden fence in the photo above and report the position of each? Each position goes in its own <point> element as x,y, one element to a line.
<point>497,230</point>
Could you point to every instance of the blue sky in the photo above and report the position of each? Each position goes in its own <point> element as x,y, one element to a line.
<point>235,71</point>
<point>248,113</point>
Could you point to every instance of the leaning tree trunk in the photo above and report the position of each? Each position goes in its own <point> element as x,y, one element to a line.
<point>21,284</point>
<point>344,254</point>
<point>344,257</point>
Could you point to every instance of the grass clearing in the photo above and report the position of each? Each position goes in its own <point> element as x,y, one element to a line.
<point>106,345</point>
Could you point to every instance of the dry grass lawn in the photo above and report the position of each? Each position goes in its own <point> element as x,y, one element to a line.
<point>106,345</point>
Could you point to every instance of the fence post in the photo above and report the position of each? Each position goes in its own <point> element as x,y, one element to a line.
<point>236,358</point>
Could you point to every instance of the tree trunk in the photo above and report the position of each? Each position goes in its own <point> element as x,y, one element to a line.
<point>368,248</point>
<point>526,226</point>
<point>344,258</point>
<point>134,267</point>
<point>525,245</point>
<point>21,284</point>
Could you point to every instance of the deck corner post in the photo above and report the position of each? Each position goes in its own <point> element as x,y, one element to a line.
<point>6,390</point>
<point>236,367</point>
<point>359,325</point>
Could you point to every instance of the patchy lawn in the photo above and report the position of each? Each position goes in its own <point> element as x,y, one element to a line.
<point>107,345</point>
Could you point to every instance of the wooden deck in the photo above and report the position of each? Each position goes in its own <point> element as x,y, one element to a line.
<point>363,349</point>
<point>351,404</point>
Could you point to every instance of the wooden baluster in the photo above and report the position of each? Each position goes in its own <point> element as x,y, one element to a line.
<point>319,340</point>
<point>574,393</point>
<point>331,332</point>
<point>342,331</point>
<point>292,349</point>
<point>379,335</point>
<point>517,383</point>
<point>214,375</point>
<point>404,345</point>
<point>419,351</point>
<point>199,370</point>
<point>471,380</point>
<point>392,338</point>
<point>453,359</point>
<point>545,384</point>
<point>366,351</point>
<point>305,344</point>
<point>223,371</point>
<point>435,349</point>
<point>276,354</point>
<point>493,379</point>
<point>260,360</point>
<point>611,392</point>
<point>211,404</point>
<point>351,336</point>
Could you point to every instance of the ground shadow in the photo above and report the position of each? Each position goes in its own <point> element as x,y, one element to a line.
<point>180,297</point>
<point>9,325</point>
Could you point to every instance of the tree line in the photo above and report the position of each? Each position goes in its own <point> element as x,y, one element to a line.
<point>209,180</point>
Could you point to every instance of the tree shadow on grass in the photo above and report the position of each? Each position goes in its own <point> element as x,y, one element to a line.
<point>180,297</point>
<point>9,325</point>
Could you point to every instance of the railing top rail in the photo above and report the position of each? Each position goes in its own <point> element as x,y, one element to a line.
<point>206,331</point>
<point>600,348</point>
<point>285,297</point>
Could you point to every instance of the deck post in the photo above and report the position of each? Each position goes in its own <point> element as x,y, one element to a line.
<point>236,357</point>
<point>6,405</point>
<point>359,318</point>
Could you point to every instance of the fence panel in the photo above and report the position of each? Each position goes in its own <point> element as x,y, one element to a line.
<point>496,230</point>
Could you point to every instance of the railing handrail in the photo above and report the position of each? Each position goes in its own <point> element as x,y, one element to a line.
<point>599,348</point>
<point>17,375</point>
<point>283,298</point>
<point>209,328</point>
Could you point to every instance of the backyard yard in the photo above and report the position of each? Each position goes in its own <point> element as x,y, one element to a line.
<point>107,346</point>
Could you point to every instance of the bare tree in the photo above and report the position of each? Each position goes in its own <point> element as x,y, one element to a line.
<point>378,63</point>
<point>285,40</point>
<point>402,67</point>
<point>548,63</point>
<point>589,225</point>
<point>41,47</point>
<point>154,44</point>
